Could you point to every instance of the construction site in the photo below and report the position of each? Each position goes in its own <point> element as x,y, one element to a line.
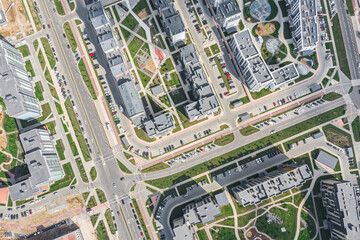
<point>14,19</point>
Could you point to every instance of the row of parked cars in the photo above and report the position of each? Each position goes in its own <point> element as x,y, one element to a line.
<point>193,153</point>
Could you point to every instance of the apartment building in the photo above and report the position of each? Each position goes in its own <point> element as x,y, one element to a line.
<point>109,45</point>
<point>207,102</point>
<point>254,70</point>
<point>273,184</point>
<point>132,103</point>
<point>42,161</point>
<point>159,125</point>
<point>341,200</point>
<point>228,14</point>
<point>172,22</point>
<point>303,25</point>
<point>16,86</point>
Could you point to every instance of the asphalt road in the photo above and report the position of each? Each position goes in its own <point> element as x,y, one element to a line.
<point>348,34</point>
<point>108,170</point>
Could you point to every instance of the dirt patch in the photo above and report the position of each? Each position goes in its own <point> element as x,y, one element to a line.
<point>142,14</point>
<point>3,138</point>
<point>336,137</point>
<point>18,25</point>
<point>254,234</point>
<point>307,63</point>
<point>150,66</point>
<point>44,218</point>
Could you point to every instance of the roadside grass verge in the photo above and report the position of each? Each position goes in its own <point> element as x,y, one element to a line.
<point>29,68</point>
<point>109,221</point>
<point>81,170</point>
<point>60,149</point>
<point>123,168</point>
<point>77,130</point>
<point>70,36</point>
<point>142,223</point>
<point>93,173</point>
<point>225,140</point>
<point>178,177</point>
<point>85,76</point>
<point>48,52</point>
<point>156,167</point>
<point>72,145</point>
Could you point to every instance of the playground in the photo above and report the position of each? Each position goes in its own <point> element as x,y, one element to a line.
<point>18,23</point>
<point>260,9</point>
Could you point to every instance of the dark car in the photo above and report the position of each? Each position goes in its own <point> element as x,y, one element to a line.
<point>64,35</point>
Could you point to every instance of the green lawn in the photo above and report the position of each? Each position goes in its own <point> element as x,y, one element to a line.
<point>221,70</point>
<point>101,195</point>
<point>109,220</point>
<point>274,10</point>
<point>126,33</point>
<point>350,6</point>
<point>142,4</point>
<point>142,33</point>
<point>222,233</point>
<point>225,140</point>
<point>59,108</point>
<point>60,149</point>
<point>116,13</point>
<point>93,173</point>
<point>94,218</point>
<point>101,232</point>
<point>155,107</point>
<point>48,76</point>
<point>92,202</point>
<point>245,219</point>
<point>340,47</point>
<point>167,66</point>
<point>246,131</point>
<point>39,91</point>
<point>174,80</point>
<point>130,22</point>
<point>41,59</point>
<point>145,79</point>
<point>156,167</point>
<point>283,8</point>
<point>123,168</point>
<point>48,52</point>
<point>140,133</point>
<point>53,92</point>
<point>12,144</point>
<point>331,96</point>
<point>215,48</point>
<point>78,132</point>
<point>29,68</point>
<point>165,100</point>
<point>59,7</point>
<point>247,149</point>
<point>337,136</point>
<point>86,78</point>
<point>81,170</point>
<point>51,127</point>
<point>208,52</point>
<point>24,50</point>
<point>273,230</point>
<point>72,145</point>
<point>135,45</point>
<point>70,36</point>
<point>178,95</point>
<point>356,128</point>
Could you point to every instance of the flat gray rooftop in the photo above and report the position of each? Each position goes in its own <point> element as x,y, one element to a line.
<point>259,69</point>
<point>130,98</point>
<point>245,44</point>
<point>285,74</point>
<point>327,159</point>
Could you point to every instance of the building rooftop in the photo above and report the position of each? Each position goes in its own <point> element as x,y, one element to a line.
<point>182,230</point>
<point>117,66</point>
<point>327,159</point>
<point>36,139</point>
<point>272,184</point>
<point>107,41</point>
<point>159,124</point>
<point>259,69</point>
<point>97,15</point>
<point>228,8</point>
<point>156,90</point>
<point>130,99</point>
<point>245,43</point>
<point>221,199</point>
<point>203,211</point>
<point>286,73</point>
<point>188,55</point>
<point>175,24</point>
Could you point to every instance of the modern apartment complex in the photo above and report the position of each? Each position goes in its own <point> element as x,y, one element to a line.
<point>207,102</point>
<point>254,70</point>
<point>341,200</point>
<point>16,85</point>
<point>303,24</point>
<point>159,125</point>
<point>109,45</point>
<point>172,22</point>
<point>273,184</point>
<point>228,14</point>
<point>42,161</point>
<point>132,103</point>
